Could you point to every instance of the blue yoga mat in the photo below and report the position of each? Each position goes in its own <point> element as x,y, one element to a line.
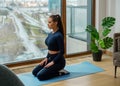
<point>76,70</point>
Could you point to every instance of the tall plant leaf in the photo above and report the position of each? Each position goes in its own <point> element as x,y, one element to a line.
<point>92,30</point>
<point>93,47</point>
<point>108,22</point>
<point>106,32</point>
<point>106,42</point>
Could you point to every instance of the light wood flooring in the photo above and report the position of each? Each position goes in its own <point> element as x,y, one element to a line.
<point>105,78</point>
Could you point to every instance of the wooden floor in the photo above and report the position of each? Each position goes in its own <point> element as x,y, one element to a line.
<point>105,78</point>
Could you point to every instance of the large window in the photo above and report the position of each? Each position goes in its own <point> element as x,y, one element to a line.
<point>78,15</point>
<point>23,28</point>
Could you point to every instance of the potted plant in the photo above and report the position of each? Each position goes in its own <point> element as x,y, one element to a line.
<point>100,39</point>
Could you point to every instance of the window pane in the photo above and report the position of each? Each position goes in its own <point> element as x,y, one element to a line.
<point>76,25</point>
<point>23,28</point>
<point>76,2</point>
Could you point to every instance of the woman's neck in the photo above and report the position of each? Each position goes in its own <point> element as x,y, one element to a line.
<point>55,29</point>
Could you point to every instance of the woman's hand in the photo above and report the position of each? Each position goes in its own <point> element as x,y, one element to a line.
<point>49,64</point>
<point>44,61</point>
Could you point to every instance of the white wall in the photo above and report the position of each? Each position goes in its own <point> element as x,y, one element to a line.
<point>100,12</point>
<point>108,8</point>
<point>117,15</point>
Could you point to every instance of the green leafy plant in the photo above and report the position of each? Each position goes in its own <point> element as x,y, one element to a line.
<point>101,40</point>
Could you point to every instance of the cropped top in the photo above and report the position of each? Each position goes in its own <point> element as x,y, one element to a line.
<point>55,42</point>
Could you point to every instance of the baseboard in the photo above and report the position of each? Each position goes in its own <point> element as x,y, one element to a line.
<point>38,60</point>
<point>109,53</point>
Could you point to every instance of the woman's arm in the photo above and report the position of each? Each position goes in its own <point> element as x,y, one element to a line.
<point>60,42</point>
<point>44,61</point>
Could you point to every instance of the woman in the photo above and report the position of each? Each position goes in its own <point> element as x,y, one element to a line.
<point>55,61</point>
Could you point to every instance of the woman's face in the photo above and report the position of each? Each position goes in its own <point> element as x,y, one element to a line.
<point>51,23</point>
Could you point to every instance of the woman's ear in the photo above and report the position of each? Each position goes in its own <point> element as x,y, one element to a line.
<point>56,23</point>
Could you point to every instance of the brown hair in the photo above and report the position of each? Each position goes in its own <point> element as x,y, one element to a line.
<point>57,18</point>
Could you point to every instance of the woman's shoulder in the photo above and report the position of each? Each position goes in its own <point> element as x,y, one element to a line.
<point>50,33</point>
<point>58,34</point>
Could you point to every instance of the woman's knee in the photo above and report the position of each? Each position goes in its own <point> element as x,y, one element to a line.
<point>34,72</point>
<point>41,76</point>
